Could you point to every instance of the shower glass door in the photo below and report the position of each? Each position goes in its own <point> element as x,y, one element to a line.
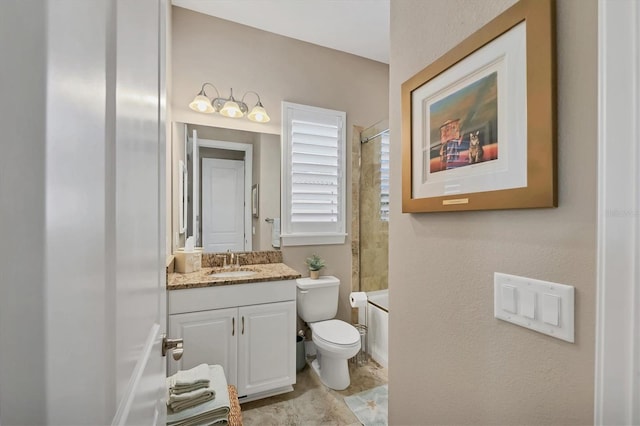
<point>374,208</point>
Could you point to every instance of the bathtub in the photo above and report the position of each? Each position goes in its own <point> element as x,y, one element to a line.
<point>378,326</point>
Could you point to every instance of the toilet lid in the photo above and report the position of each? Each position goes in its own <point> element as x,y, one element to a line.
<point>336,332</point>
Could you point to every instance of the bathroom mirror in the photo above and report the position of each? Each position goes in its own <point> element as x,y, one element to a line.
<point>212,195</point>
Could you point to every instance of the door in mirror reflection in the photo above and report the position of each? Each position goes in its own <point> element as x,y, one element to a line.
<point>192,144</point>
<point>222,205</point>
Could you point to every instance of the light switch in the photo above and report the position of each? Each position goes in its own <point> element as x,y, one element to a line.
<point>550,308</point>
<point>543,306</point>
<point>528,302</point>
<point>509,298</point>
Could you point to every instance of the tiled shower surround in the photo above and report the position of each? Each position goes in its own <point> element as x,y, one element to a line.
<point>370,242</point>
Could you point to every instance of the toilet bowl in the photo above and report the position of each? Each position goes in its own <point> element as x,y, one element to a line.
<point>335,341</point>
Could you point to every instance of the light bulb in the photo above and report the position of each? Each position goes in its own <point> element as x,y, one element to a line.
<point>259,114</point>
<point>231,109</point>
<point>201,104</point>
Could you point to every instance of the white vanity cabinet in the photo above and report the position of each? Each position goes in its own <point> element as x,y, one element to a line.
<point>207,335</point>
<point>249,329</point>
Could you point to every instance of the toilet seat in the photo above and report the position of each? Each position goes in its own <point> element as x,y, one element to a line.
<point>336,332</point>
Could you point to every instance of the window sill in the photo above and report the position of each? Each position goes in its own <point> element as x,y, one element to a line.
<point>312,239</point>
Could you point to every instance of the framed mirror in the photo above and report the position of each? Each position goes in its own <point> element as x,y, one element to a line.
<point>215,196</point>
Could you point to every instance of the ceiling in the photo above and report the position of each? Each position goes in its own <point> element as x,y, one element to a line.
<point>359,27</point>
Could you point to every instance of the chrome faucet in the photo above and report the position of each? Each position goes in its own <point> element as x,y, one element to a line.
<point>231,257</point>
<point>234,258</point>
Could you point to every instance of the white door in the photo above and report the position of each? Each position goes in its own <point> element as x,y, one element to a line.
<point>617,383</point>
<point>138,244</point>
<point>267,350</point>
<point>222,205</point>
<point>84,346</point>
<point>209,337</point>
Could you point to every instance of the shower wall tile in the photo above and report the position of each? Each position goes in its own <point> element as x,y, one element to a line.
<point>355,209</point>
<point>374,232</point>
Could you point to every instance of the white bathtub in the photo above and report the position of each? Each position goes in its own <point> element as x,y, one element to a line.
<point>378,326</point>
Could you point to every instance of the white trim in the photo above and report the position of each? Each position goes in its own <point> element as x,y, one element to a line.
<point>617,394</point>
<point>312,239</point>
<point>248,178</point>
<point>195,189</point>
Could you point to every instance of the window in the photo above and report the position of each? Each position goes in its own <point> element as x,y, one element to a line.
<point>384,177</point>
<point>313,175</point>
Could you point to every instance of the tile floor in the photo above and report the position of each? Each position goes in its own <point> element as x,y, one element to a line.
<point>311,403</point>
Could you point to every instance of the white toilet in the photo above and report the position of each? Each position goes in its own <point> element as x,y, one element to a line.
<point>335,341</point>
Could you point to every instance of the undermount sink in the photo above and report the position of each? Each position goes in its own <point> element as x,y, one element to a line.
<point>233,274</point>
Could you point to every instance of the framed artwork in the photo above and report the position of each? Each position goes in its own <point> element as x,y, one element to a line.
<point>479,123</point>
<point>254,200</point>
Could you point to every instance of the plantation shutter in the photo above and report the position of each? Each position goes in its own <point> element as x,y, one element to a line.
<point>384,177</point>
<point>313,175</point>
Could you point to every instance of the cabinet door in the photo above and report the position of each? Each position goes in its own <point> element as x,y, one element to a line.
<point>209,337</point>
<point>266,349</point>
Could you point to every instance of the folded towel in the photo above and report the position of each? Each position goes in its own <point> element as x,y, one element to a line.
<point>179,390</point>
<point>203,419</point>
<point>185,396</point>
<point>215,411</point>
<point>180,405</point>
<point>179,402</point>
<point>190,380</point>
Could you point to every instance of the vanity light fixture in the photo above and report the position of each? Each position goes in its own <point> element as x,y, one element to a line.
<point>229,107</point>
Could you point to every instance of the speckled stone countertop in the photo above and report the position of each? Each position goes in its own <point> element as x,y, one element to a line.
<point>203,278</point>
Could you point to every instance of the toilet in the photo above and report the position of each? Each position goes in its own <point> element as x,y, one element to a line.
<point>335,341</point>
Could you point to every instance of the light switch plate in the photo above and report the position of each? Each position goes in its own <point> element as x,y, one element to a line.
<point>538,304</point>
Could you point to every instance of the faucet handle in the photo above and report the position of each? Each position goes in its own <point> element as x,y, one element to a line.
<point>224,259</point>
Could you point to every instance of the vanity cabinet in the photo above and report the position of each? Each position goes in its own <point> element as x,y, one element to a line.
<point>249,329</point>
<point>207,336</point>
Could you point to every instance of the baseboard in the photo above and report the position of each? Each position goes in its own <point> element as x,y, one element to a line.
<point>265,394</point>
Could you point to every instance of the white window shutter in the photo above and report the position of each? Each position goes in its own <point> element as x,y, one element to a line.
<point>384,177</point>
<point>313,179</point>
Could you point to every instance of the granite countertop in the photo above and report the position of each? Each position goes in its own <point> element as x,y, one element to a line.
<point>203,278</point>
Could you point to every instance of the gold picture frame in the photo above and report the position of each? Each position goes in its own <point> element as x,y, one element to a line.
<point>479,123</point>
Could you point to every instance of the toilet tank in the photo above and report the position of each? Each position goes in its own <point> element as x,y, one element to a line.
<point>317,300</point>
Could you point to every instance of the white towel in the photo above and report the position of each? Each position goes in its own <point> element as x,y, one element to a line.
<point>189,380</point>
<point>275,233</point>
<point>179,402</point>
<point>211,412</point>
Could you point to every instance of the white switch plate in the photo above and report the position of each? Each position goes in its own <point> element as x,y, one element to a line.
<point>530,309</point>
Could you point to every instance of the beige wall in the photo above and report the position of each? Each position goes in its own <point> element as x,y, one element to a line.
<point>451,362</point>
<point>279,69</point>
